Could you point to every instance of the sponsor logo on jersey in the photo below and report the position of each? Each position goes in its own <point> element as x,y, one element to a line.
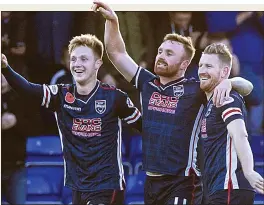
<point>69,98</point>
<point>203,129</point>
<point>100,106</point>
<point>162,103</point>
<point>87,127</point>
<point>54,89</point>
<point>178,90</point>
<point>72,108</point>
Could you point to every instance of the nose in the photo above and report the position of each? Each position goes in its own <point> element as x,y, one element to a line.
<point>77,63</point>
<point>160,56</point>
<point>201,70</point>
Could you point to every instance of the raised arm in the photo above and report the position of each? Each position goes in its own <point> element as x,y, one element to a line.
<point>237,131</point>
<point>114,43</point>
<point>19,84</point>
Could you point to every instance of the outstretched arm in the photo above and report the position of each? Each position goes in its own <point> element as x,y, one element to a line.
<point>114,43</point>
<point>19,84</point>
<point>237,131</point>
<point>222,91</point>
<point>241,85</point>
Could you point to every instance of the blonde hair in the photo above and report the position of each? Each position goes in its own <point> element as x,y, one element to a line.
<point>222,51</point>
<point>88,40</point>
<point>186,41</point>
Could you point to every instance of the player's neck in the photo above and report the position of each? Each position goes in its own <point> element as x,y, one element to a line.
<point>166,80</point>
<point>209,95</point>
<point>85,89</point>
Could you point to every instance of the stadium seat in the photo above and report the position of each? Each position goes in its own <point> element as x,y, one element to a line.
<point>257,146</point>
<point>44,145</point>
<point>44,150</point>
<point>44,185</point>
<point>259,199</point>
<point>128,168</point>
<point>125,153</point>
<point>136,147</point>
<point>66,197</point>
<point>135,189</point>
<point>136,151</point>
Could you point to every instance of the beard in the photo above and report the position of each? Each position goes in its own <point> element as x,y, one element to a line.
<point>166,70</point>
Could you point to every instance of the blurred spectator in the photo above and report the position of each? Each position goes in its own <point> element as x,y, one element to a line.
<point>137,32</point>
<point>50,31</point>
<point>185,23</point>
<point>63,76</point>
<point>17,124</point>
<point>245,30</point>
<point>235,71</point>
<point>13,36</point>
<point>109,79</point>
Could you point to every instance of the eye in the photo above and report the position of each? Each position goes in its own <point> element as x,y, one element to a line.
<point>84,59</point>
<point>73,59</point>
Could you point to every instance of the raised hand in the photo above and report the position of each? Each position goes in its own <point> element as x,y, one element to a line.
<point>4,62</point>
<point>105,10</point>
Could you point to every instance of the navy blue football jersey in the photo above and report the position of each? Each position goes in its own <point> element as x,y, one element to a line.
<point>90,129</point>
<point>222,168</point>
<point>170,131</point>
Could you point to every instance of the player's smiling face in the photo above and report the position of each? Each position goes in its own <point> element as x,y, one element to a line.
<point>209,72</point>
<point>169,58</point>
<point>84,64</point>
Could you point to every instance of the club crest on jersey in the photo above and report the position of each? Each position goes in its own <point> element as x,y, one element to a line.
<point>178,90</point>
<point>69,98</point>
<point>209,110</point>
<point>100,106</point>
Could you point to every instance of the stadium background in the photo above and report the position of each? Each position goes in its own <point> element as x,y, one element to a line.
<point>35,44</point>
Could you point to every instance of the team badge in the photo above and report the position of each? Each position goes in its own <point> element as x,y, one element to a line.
<point>69,98</point>
<point>53,89</point>
<point>178,91</point>
<point>100,106</point>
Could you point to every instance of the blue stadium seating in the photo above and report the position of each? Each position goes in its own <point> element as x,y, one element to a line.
<point>136,147</point>
<point>44,149</point>
<point>259,199</point>
<point>44,184</point>
<point>135,156</point>
<point>45,170</point>
<point>257,146</point>
<point>135,189</point>
<point>66,196</point>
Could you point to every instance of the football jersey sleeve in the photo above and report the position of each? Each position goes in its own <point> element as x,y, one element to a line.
<point>232,110</point>
<point>142,76</point>
<point>127,111</point>
<point>50,97</point>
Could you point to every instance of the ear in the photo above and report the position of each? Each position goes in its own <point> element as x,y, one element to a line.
<point>184,65</point>
<point>225,72</point>
<point>98,63</point>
